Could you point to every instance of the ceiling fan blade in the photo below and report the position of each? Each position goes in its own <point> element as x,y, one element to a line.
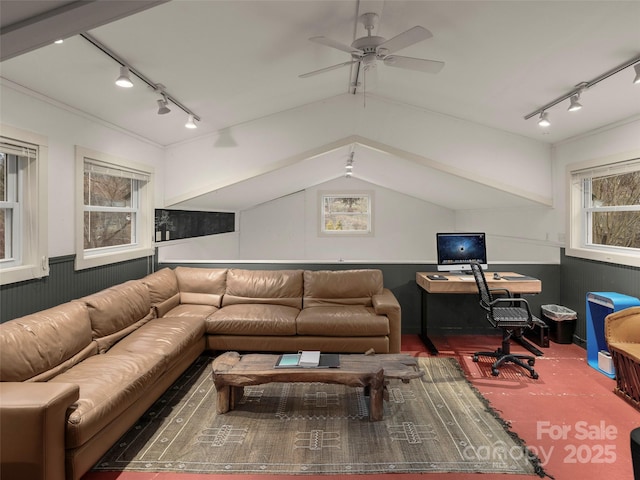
<point>419,64</point>
<point>335,44</point>
<point>405,39</point>
<point>327,69</point>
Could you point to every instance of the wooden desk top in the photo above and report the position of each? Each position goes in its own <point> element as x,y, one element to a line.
<point>458,283</point>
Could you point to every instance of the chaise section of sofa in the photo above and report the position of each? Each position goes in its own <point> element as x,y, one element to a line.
<point>622,333</point>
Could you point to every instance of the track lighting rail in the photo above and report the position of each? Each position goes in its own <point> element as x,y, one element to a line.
<point>154,85</point>
<point>583,86</point>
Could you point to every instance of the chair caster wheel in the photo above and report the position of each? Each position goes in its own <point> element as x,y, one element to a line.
<point>495,372</point>
<point>534,375</point>
<point>475,358</point>
<point>531,362</point>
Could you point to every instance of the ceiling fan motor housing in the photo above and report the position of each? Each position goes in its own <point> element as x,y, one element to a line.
<point>367,45</point>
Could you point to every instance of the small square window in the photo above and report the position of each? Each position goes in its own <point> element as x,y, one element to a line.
<point>346,213</point>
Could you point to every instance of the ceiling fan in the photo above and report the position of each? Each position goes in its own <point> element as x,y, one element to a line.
<point>367,50</point>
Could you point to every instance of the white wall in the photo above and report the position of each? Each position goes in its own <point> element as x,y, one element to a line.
<point>619,139</point>
<point>65,128</point>
<point>286,228</point>
<point>198,166</point>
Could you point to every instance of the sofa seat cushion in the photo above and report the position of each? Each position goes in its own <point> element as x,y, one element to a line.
<point>167,336</point>
<point>631,350</point>
<point>253,319</point>
<point>343,321</point>
<point>109,384</point>
<point>191,310</point>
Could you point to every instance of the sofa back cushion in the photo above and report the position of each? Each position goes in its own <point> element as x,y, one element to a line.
<point>201,286</point>
<point>117,311</point>
<point>164,294</point>
<point>276,287</point>
<point>341,287</point>
<point>44,344</point>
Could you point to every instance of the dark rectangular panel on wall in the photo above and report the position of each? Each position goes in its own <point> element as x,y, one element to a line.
<point>64,284</point>
<point>179,224</point>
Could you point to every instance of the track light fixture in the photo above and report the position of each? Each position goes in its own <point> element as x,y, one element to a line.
<point>349,166</point>
<point>574,95</point>
<point>124,80</point>
<point>575,104</point>
<point>162,106</point>
<point>544,120</point>
<point>190,122</point>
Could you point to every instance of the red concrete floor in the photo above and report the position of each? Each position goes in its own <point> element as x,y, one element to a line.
<point>569,417</point>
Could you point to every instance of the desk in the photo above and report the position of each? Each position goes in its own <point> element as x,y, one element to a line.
<point>465,284</point>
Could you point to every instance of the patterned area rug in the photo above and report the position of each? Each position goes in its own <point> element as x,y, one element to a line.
<point>439,423</point>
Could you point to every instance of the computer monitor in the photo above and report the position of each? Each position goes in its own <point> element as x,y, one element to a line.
<point>456,250</point>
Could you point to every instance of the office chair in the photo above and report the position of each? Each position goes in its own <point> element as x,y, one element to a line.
<point>510,314</point>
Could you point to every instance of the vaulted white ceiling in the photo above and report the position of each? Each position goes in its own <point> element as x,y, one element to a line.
<point>233,62</point>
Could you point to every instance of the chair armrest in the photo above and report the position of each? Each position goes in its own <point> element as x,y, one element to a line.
<point>506,291</point>
<point>33,418</point>
<point>387,304</point>
<point>623,326</point>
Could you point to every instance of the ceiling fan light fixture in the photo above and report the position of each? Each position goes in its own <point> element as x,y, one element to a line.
<point>544,120</point>
<point>575,103</point>
<point>191,123</point>
<point>636,67</point>
<point>124,80</point>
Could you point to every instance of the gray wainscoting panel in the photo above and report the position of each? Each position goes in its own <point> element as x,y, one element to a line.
<point>581,276</point>
<point>64,284</point>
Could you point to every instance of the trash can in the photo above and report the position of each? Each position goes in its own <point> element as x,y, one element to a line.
<point>561,321</point>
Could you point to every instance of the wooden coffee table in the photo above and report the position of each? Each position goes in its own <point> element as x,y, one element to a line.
<point>232,372</point>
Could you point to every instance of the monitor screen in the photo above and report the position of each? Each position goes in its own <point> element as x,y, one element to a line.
<point>456,250</point>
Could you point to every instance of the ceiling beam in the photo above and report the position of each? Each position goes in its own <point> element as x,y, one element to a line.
<point>63,22</point>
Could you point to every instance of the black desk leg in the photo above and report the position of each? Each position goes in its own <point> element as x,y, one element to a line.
<point>423,325</point>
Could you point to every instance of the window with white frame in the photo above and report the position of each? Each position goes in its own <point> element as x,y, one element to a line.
<point>23,206</point>
<point>115,217</point>
<point>604,213</point>
<point>346,213</point>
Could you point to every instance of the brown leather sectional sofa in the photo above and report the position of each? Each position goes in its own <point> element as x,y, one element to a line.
<point>622,333</point>
<point>75,377</point>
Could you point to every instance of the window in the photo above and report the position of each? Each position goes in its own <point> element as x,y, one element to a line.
<point>115,218</point>
<point>604,213</point>
<point>23,206</point>
<point>346,213</point>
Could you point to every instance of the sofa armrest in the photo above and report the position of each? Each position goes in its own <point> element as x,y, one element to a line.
<point>387,304</point>
<point>33,417</point>
<point>623,326</point>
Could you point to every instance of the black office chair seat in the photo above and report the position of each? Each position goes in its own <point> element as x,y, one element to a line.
<point>512,315</point>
